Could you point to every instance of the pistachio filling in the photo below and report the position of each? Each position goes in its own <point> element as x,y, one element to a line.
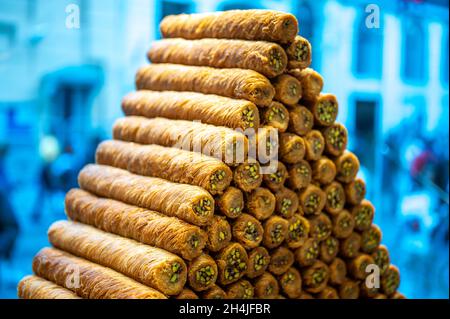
<point>276,177</point>
<point>275,60</point>
<point>312,203</point>
<point>194,241</point>
<point>318,276</point>
<point>204,207</point>
<point>332,245</point>
<point>235,210</point>
<point>347,168</point>
<point>307,119</point>
<point>327,111</point>
<point>248,117</point>
<point>322,230</point>
<point>334,198</point>
<point>317,145</point>
<point>392,282</point>
<point>286,203</point>
<point>275,112</point>
<point>344,222</point>
<point>235,265</point>
<point>381,260</point>
<point>350,249</point>
<point>296,230</point>
<point>277,233</point>
<point>359,189</point>
<point>248,291</point>
<point>336,137</point>
<point>269,290</point>
<point>363,217</point>
<point>371,240</point>
<point>216,178</point>
<point>251,171</point>
<point>205,275</point>
<point>303,170</point>
<point>251,232</point>
<point>280,261</point>
<point>293,90</point>
<point>260,261</point>
<point>312,252</point>
<point>288,278</point>
<point>176,270</point>
<point>222,235</point>
<point>301,52</point>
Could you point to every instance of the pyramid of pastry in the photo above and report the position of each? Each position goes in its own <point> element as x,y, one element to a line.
<point>228,177</point>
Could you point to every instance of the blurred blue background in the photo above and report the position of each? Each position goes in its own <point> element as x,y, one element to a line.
<point>61,84</point>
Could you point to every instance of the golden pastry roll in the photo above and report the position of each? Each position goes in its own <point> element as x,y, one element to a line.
<point>314,145</point>
<point>368,292</point>
<point>266,286</point>
<point>267,144</point>
<point>363,215</point>
<point>88,280</point>
<point>247,176</point>
<point>335,194</point>
<point>343,224</point>
<point>311,81</point>
<point>286,202</point>
<point>291,283</point>
<point>323,170</point>
<point>301,120</point>
<point>329,249</point>
<point>336,138</point>
<point>357,266</point>
<point>312,200</point>
<point>233,83</point>
<point>292,148</point>
<point>241,289</point>
<point>288,90</point>
<point>328,293</point>
<point>275,231</point>
<point>276,116</point>
<point>264,25</point>
<point>347,166</point>
<point>398,295</point>
<point>338,271</point>
<point>315,277</point>
<point>223,143</point>
<point>149,265</point>
<point>299,53</point>
<point>308,253</point>
<point>299,175</point>
<point>186,293</point>
<point>349,289</point>
<point>355,191</point>
<point>281,259</point>
<point>34,287</point>
<point>297,232</point>
<point>218,233</point>
<point>390,280</point>
<point>264,57</point>
<point>247,231</point>
<point>146,226</point>
<point>173,164</point>
<point>381,258</point>
<point>202,273</point>
<point>325,109</point>
<point>276,180</point>
<point>370,239</point>
<point>320,227</point>
<point>231,202</point>
<point>305,295</point>
<point>232,263</point>
<point>260,203</point>
<point>190,203</point>
<point>215,292</point>
<point>350,245</point>
<point>258,261</point>
<point>192,106</point>
<point>380,296</point>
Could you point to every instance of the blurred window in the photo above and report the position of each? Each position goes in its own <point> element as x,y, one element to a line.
<point>305,18</point>
<point>7,34</point>
<point>241,5</point>
<point>445,58</point>
<point>414,50</point>
<point>168,7</point>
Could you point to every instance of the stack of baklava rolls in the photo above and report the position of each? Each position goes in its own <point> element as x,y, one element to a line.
<point>180,205</point>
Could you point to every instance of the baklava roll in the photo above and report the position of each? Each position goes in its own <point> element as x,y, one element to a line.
<point>305,295</point>
<point>314,145</point>
<point>299,53</point>
<point>223,143</point>
<point>172,164</point>
<point>231,202</point>
<point>34,287</point>
<point>276,180</point>
<point>307,254</point>
<point>260,203</point>
<point>363,215</point>
<point>186,293</point>
<point>323,170</point>
<point>281,259</point>
<point>350,245</point>
<point>218,233</point>
<point>202,273</point>
<point>189,203</point>
<point>292,148</point>
<point>286,202</point>
<point>349,289</point>
<point>347,166</point>
<point>338,271</point>
<point>146,226</point>
<point>234,83</point>
<point>335,198</point>
<point>358,265</point>
<point>329,249</point>
<point>311,81</point>
<point>288,90</point>
<point>336,137</point>
<point>390,280</point>
<point>267,144</point>
<point>370,239</point>
<point>355,191</point>
<point>149,265</point>
<point>315,277</point>
<point>247,231</point>
<point>368,292</point>
<point>312,200</point>
<point>276,116</point>
<point>247,176</point>
<point>325,109</point>
<point>241,289</point>
<point>398,295</point>
<point>232,263</point>
<point>291,283</point>
<point>275,231</point>
<point>343,224</point>
<point>298,231</point>
<point>299,175</point>
<point>328,293</point>
<point>215,292</point>
<point>258,261</point>
<point>380,296</point>
<point>301,120</point>
<point>264,57</point>
<point>192,106</point>
<point>320,227</point>
<point>94,281</point>
<point>381,258</point>
<point>264,25</point>
<point>266,286</point>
